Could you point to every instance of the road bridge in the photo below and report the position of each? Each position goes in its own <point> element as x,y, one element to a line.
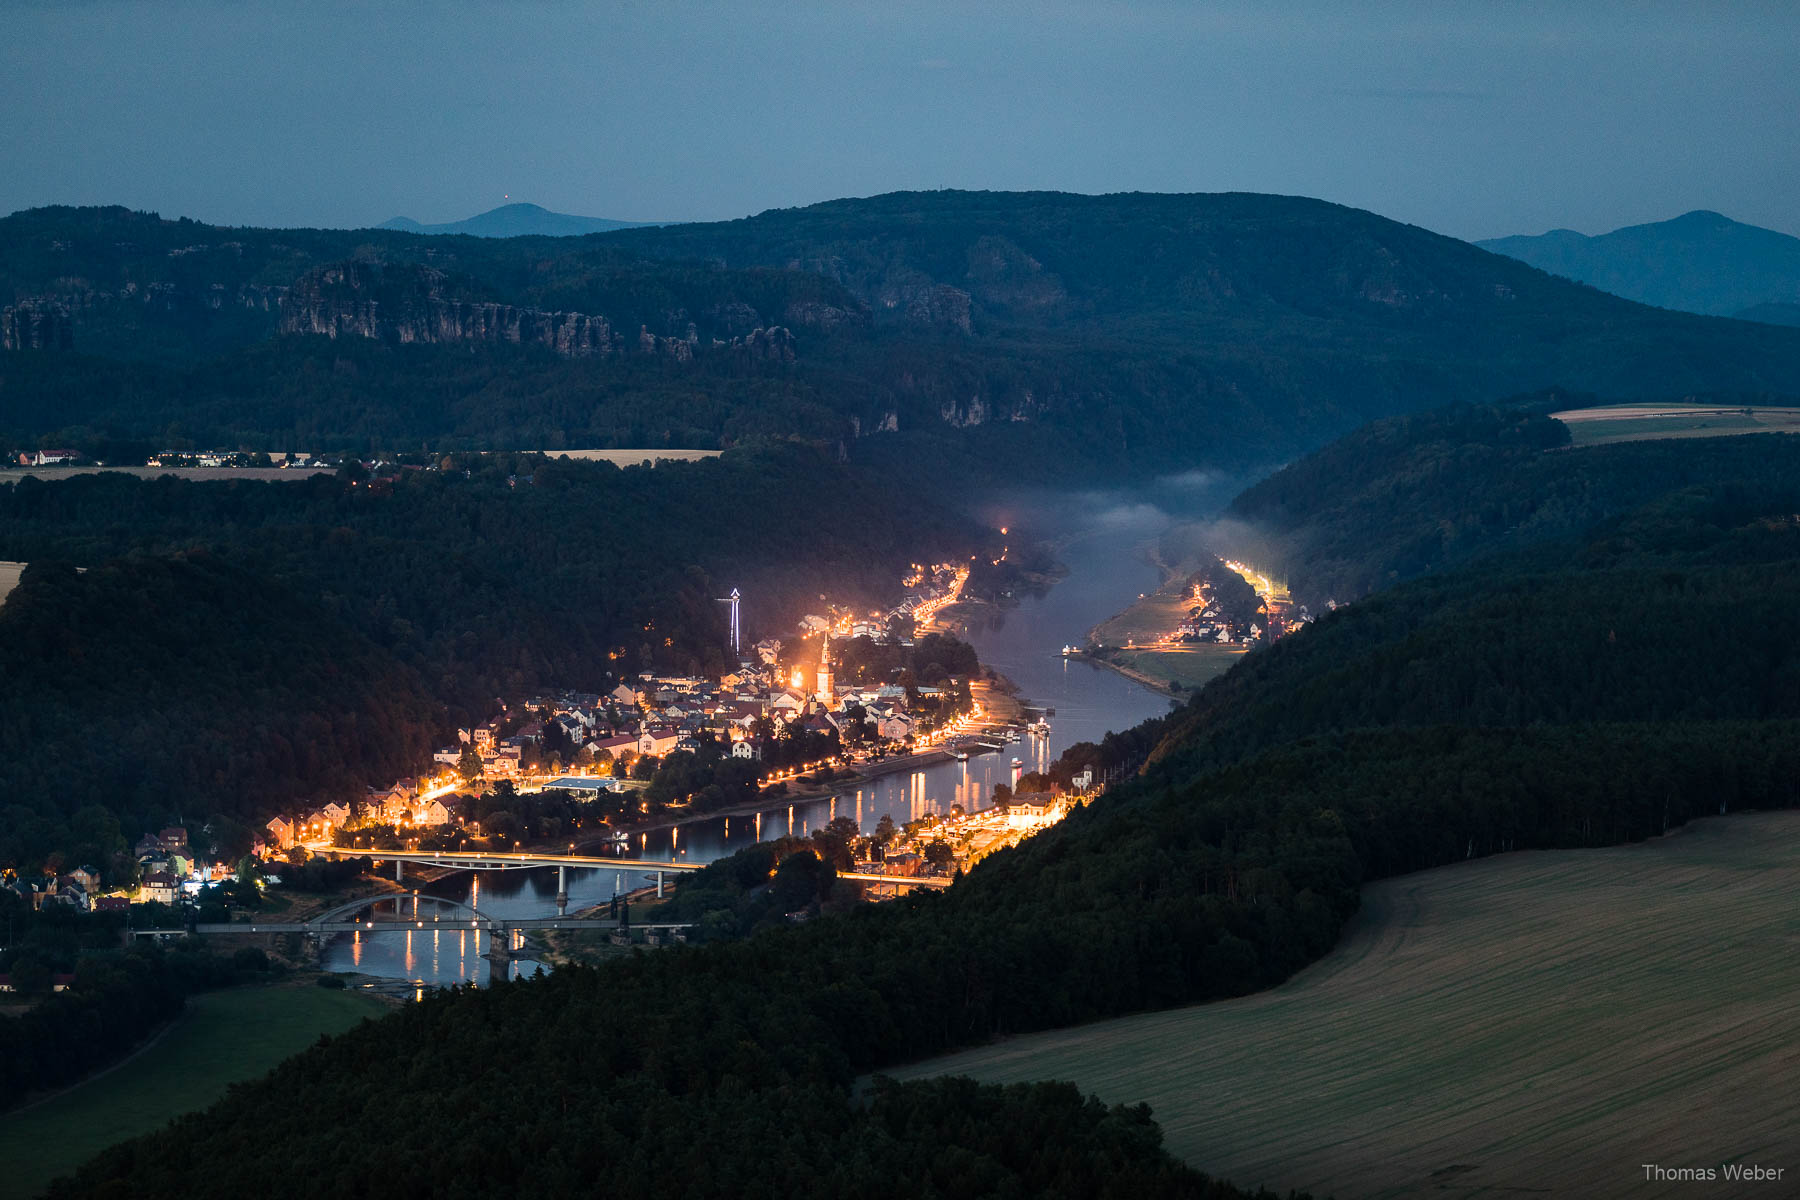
<point>487,860</point>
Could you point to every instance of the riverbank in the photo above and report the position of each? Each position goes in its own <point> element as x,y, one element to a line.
<point>1159,686</point>
<point>1153,614</point>
<point>1174,672</point>
<point>1130,641</point>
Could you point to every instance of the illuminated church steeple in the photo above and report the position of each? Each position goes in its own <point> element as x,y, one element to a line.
<point>824,692</point>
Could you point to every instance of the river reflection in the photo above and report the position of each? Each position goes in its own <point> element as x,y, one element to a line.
<point>1102,549</point>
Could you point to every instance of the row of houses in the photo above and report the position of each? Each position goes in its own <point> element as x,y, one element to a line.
<point>75,889</point>
<point>49,458</point>
<point>404,803</point>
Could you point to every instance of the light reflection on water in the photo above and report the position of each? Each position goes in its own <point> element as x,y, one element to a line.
<point>1024,644</point>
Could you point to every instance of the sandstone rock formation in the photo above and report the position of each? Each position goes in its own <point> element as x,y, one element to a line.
<point>408,304</point>
<point>940,307</point>
<point>36,323</point>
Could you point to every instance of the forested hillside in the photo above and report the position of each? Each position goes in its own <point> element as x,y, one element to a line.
<point>153,687</point>
<point>1412,495</point>
<point>1115,335</point>
<point>1608,690</point>
<point>239,645</point>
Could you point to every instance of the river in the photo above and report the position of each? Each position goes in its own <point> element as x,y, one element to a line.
<point>1099,539</point>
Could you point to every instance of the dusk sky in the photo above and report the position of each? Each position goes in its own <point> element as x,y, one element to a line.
<point>1474,119</point>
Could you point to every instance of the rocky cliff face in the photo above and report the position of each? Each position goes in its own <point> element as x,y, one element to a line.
<point>815,314</point>
<point>36,323</point>
<point>416,305</point>
<point>940,307</point>
<point>412,304</point>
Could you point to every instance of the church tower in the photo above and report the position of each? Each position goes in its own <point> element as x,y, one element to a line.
<point>824,693</point>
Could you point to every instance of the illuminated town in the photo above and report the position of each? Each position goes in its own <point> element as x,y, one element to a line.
<point>603,750</point>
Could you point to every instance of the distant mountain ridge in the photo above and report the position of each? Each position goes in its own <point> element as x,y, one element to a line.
<point>1122,335</point>
<point>517,220</point>
<point>1700,262</point>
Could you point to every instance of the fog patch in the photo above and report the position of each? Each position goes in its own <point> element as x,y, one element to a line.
<point>1195,480</point>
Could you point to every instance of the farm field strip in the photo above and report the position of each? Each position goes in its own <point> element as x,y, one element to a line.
<point>1542,1020</point>
<point>1640,422</point>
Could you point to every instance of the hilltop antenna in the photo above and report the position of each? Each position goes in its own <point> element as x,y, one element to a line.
<point>736,637</point>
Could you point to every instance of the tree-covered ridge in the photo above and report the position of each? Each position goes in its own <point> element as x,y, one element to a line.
<point>141,287</point>
<point>1229,864</point>
<point>1125,334</point>
<point>1410,495</point>
<point>240,645</point>
<point>1682,612</point>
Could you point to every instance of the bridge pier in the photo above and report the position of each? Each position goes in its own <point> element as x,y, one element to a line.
<point>562,891</point>
<point>499,952</point>
<point>399,870</point>
<point>659,885</point>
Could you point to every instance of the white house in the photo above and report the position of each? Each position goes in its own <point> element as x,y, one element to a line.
<point>614,746</point>
<point>282,831</point>
<point>657,741</point>
<point>895,727</point>
<point>433,813</point>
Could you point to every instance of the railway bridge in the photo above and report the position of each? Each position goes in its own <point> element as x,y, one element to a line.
<point>504,934</point>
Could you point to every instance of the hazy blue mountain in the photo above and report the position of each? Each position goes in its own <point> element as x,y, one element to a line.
<point>517,220</point>
<point>1700,262</point>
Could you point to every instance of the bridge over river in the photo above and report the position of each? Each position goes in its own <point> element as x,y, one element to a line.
<point>478,860</point>
<point>504,934</point>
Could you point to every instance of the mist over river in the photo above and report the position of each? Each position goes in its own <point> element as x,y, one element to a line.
<point>1100,539</point>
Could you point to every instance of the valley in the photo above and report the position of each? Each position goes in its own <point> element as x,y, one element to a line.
<point>1450,634</point>
<point>1037,609</point>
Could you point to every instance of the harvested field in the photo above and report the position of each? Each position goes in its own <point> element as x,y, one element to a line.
<point>1541,1022</point>
<point>1640,422</point>
<point>632,458</point>
<point>198,474</point>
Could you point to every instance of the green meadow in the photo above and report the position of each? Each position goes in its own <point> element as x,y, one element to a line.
<point>223,1038</point>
